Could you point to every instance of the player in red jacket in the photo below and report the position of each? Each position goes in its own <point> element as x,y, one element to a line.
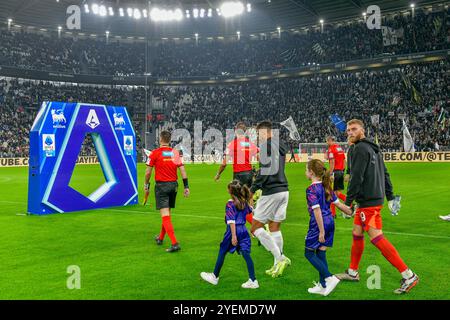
<point>336,158</point>
<point>241,151</point>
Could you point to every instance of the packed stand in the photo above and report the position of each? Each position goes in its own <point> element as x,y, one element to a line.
<point>424,32</point>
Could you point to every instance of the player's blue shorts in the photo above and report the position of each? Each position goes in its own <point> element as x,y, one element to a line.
<point>312,237</point>
<point>244,240</point>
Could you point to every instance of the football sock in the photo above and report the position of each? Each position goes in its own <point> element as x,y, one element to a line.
<point>249,218</point>
<point>317,263</point>
<point>389,252</point>
<point>169,229</point>
<point>219,262</point>
<point>250,265</point>
<point>322,255</point>
<point>163,232</point>
<point>357,251</point>
<point>278,237</point>
<point>268,242</point>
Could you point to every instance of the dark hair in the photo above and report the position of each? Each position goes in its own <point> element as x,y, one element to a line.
<point>320,171</point>
<point>240,194</point>
<point>240,126</point>
<point>165,136</point>
<point>264,125</point>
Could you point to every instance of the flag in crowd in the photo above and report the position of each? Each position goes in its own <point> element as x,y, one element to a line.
<point>338,122</point>
<point>408,141</point>
<point>290,125</point>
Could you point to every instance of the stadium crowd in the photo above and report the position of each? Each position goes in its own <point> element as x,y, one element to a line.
<point>417,92</point>
<point>343,42</point>
<point>311,100</point>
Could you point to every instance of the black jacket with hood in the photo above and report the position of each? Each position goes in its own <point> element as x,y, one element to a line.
<point>271,177</point>
<point>369,180</point>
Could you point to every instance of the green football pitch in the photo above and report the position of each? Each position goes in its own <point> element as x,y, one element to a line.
<point>118,258</point>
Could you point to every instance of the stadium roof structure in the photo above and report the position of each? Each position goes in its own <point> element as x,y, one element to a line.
<point>265,16</point>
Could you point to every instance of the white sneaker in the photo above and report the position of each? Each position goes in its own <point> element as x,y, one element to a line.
<point>250,284</point>
<point>317,289</point>
<point>445,218</point>
<point>331,283</point>
<point>209,277</point>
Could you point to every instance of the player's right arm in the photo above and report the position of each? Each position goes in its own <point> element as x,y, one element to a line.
<point>225,160</point>
<point>148,175</point>
<point>222,167</point>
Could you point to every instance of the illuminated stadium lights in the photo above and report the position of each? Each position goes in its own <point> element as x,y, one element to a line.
<point>321,21</point>
<point>111,11</point>
<point>121,13</point>
<point>195,13</point>
<point>95,8</point>
<point>59,28</point>
<point>202,13</point>
<point>412,5</point>
<point>209,12</point>
<point>188,14</point>
<point>144,13</point>
<point>231,9</point>
<point>86,8</point>
<point>130,12</point>
<point>157,14</point>
<point>137,14</point>
<point>102,11</point>
<point>249,7</point>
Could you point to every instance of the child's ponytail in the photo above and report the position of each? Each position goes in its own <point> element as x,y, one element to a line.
<point>326,182</point>
<point>239,193</point>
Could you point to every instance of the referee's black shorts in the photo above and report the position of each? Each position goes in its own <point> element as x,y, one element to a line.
<point>244,177</point>
<point>338,183</point>
<point>166,194</point>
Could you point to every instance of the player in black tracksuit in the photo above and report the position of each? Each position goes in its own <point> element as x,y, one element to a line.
<point>370,181</point>
<point>369,184</point>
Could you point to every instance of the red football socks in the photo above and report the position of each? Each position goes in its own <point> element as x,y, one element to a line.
<point>357,251</point>
<point>167,223</point>
<point>389,252</point>
<point>163,232</point>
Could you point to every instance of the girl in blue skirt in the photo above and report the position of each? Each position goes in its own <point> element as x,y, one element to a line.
<point>319,196</point>
<point>236,237</point>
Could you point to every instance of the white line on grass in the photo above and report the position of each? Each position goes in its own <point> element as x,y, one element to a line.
<point>293,224</point>
<point>287,223</point>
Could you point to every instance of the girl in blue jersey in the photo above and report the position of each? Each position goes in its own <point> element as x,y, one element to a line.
<point>319,196</point>
<point>236,237</point>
